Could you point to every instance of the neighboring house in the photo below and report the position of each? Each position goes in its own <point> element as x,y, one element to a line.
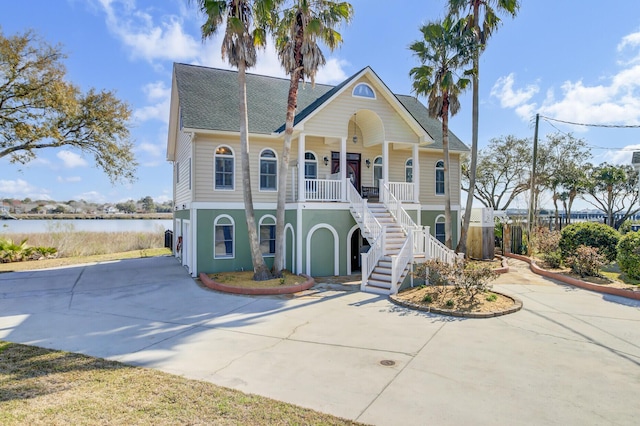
<point>366,176</point>
<point>635,161</point>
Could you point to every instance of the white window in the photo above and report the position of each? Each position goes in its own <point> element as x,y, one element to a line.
<point>377,171</point>
<point>440,178</point>
<point>268,235</point>
<point>268,170</point>
<point>310,166</point>
<point>363,90</point>
<point>224,165</point>
<point>223,237</point>
<point>408,170</point>
<point>440,235</point>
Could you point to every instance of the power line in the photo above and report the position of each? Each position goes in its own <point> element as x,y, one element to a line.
<point>615,126</point>
<point>548,120</point>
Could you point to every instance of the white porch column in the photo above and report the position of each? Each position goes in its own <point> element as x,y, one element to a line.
<point>416,174</point>
<point>301,185</point>
<point>343,168</point>
<point>385,161</point>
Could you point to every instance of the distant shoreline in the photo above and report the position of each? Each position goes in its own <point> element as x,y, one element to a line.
<point>69,216</point>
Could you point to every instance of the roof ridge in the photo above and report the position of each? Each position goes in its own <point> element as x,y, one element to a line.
<point>248,73</point>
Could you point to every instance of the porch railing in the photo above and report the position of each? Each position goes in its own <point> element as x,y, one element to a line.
<point>323,189</point>
<point>403,191</point>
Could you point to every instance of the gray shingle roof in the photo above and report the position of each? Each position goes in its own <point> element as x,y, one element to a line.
<point>209,101</point>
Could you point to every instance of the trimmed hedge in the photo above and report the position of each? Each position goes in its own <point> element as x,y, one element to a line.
<point>629,254</point>
<point>592,234</point>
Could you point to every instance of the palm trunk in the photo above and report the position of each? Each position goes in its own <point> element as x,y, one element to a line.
<point>448,241</point>
<point>462,244</point>
<point>260,270</point>
<point>278,261</point>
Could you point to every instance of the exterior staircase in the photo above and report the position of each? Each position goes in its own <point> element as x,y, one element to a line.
<point>396,242</point>
<point>380,280</point>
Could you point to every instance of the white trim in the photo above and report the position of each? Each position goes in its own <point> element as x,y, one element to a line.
<point>288,226</point>
<point>260,159</point>
<point>396,105</point>
<point>266,216</point>
<point>227,133</point>
<point>235,169</point>
<point>186,223</point>
<point>349,236</point>
<point>194,254</point>
<point>336,247</point>
<point>211,205</point>
<point>353,91</point>
<point>304,162</point>
<point>233,241</point>
<point>435,179</point>
<point>299,238</point>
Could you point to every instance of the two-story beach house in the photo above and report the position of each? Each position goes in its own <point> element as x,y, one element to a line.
<point>365,187</point>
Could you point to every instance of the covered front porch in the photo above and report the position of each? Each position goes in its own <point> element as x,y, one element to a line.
<point>326,166</point>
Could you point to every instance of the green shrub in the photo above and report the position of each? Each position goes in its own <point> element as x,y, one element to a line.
<point>629,254</point>
<point>427,298</point>
<point>587,261</point>
<point>592,234</point>
<point>492,297</point>
<point>14,252</point>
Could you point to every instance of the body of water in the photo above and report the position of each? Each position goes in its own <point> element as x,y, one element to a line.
<point>31,226</point>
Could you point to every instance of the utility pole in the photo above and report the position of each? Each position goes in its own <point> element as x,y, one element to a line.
<point>532,198</point>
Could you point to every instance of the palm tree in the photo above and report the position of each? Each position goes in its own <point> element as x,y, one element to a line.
<point>247,23</point>
<point>444,49</point>
<point>300,28</point>
<point>482,32</point>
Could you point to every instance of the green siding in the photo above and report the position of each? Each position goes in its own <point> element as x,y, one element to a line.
<point>182,214</point>
<point>429,219</point>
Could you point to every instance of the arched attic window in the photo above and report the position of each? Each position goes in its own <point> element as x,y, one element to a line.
<point>363,90</point>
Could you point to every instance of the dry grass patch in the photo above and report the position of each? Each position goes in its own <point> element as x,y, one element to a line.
<point>42,387</point>
<point>70,261</point>
<point>244,279</point>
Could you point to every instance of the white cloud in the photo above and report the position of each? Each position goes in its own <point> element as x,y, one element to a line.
<point>510,98</point>
<point>159,93</point>
<point>91,196</point>
<point>146,39</point>
<point>69,179</point>
<point>622,156</point>
<point>630,41</point>
<point>71,159</point>
<point>21,189</point>
<point>156,150</point>
<point>332,72</point>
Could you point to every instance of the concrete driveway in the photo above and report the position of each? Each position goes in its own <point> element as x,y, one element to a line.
<point>569,357</point>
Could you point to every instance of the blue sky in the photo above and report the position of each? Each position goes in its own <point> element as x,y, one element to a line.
<point>577,61</point>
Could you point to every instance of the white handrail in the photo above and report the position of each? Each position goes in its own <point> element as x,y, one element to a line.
<point>370,224</point>
<point>440,251</point>
<point>322,190</point>
<point>395,208</point>
<point>400,261</point>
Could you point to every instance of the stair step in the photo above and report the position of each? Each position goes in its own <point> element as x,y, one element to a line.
<point>379,284</point>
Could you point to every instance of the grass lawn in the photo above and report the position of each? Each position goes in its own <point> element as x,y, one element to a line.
<point>42,387</point>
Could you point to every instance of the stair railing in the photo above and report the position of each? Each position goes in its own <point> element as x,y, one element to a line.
<point>400,262</point>
<point>395,208</point>
<point>371,228</point>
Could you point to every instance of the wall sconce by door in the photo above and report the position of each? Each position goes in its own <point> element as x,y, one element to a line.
<point>368,163</point>
<point>326,160</point>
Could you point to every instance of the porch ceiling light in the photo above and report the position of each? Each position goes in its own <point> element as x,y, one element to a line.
<point>355,128</point>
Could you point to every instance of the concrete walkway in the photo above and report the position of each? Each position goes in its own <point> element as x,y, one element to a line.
<point>569,357</point>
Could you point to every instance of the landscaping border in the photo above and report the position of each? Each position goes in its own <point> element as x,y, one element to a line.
<point>452,313</point>
<point>213,285</point>
<point>629,294</point>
